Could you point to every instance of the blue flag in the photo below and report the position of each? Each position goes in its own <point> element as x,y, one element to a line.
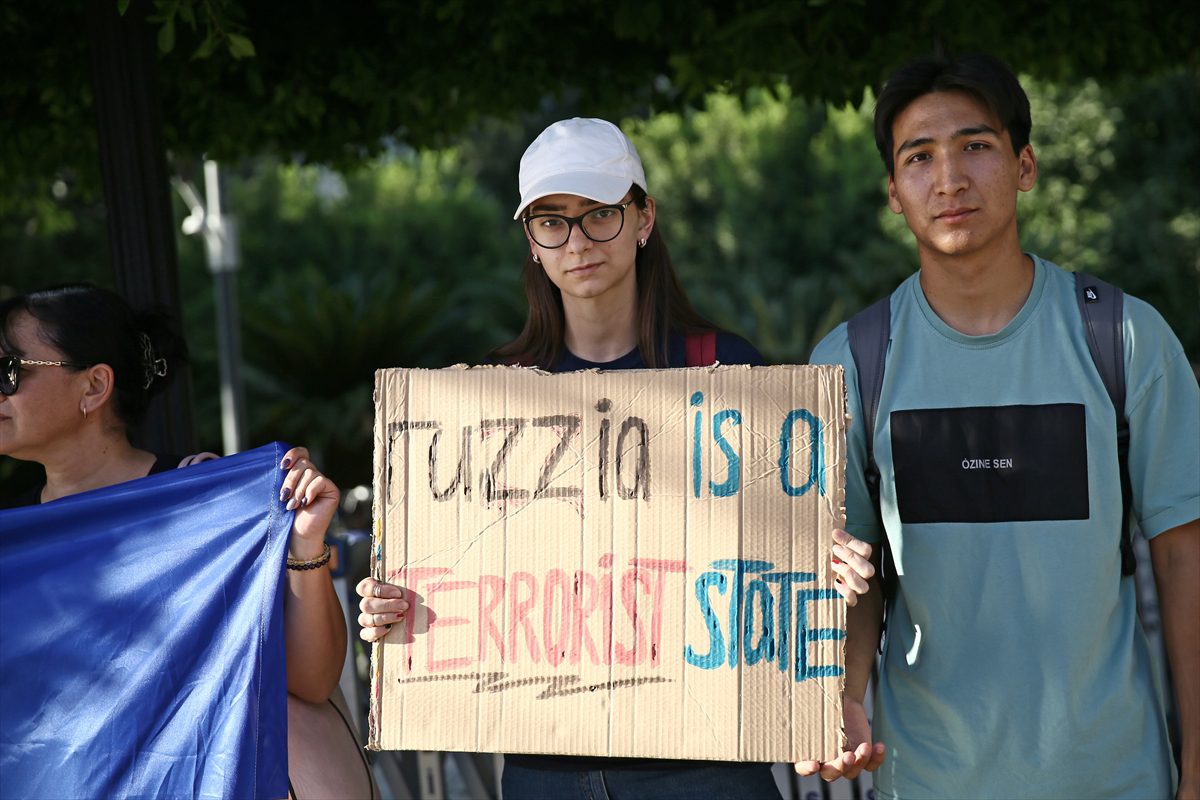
<point>141,637</point>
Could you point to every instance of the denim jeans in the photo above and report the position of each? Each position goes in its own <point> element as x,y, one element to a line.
<point>700,782</point>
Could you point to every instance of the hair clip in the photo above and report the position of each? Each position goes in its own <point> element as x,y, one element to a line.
<point>151,366</point>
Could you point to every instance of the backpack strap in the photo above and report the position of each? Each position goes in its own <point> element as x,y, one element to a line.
<point>869,331</point>
<point>1102,307</point>
<point>700,349</point>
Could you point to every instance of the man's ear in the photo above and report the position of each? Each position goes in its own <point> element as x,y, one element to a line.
<point>1027,164</point>
<point>893,197</point>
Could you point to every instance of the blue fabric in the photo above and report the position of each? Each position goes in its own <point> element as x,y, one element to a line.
<point>141,637</point>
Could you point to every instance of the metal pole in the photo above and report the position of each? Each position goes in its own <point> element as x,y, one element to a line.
<point>233,409</point>
<point>220,238</point>
<point>221,247</point>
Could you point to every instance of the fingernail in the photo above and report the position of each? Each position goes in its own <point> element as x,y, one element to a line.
<point>291,505</point>
<point>303,501</point>
<point>287,462</point>
<point>285,494</point>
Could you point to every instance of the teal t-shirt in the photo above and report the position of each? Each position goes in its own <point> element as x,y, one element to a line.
<point>1014,664</point>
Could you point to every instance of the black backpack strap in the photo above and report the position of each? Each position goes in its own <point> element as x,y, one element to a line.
<point>1102,307</point>
<point>869,332</point>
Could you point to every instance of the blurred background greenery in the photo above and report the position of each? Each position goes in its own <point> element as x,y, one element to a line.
<point>773,206</point>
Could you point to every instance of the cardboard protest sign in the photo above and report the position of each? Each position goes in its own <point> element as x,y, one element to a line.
<point>611,563</point>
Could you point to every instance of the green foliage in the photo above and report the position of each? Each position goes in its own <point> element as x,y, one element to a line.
<point>217,23</point>
<point>402,264</point>
<point>1152,180</point>
<point>1116,195</point>
<point>773,207</point>
<point>56,240</point>
<point>1072,137</point>
<point>335,82</point>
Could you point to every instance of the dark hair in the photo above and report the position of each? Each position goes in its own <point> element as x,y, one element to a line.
<point>663,308</point>
<point>985,77</point>
<point>90,326</point>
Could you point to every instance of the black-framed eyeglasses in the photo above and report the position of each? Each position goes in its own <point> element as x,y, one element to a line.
<point>601,224</point>
<point>10,371</point>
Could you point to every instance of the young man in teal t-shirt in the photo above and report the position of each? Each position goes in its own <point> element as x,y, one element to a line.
<point>1014,664</point>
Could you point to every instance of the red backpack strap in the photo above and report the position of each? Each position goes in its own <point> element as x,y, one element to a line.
<point>701,349</point>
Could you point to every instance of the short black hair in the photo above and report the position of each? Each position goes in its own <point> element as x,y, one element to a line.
<point>986,77</point>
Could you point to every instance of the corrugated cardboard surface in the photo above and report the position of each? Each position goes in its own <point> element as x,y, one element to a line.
<point>624,564</point>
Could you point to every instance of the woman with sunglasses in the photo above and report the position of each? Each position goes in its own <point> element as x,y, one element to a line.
<point>78,368</point>
<point>603,294</point>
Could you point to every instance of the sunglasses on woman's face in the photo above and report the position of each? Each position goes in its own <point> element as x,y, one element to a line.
<point>10,371</point>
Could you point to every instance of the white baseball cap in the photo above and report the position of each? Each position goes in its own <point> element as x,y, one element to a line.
<point>591,158</point>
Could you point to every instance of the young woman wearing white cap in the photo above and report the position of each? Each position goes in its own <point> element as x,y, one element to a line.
<point>601,288</point>
<point>603,294</point>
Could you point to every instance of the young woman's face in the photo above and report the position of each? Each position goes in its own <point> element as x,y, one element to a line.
<point>46,406</point>
<point>584,269</point>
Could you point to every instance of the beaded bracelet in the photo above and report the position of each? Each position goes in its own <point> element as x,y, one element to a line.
<point>312,563</point>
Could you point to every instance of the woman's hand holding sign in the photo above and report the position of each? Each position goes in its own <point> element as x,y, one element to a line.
<point>382,605</point>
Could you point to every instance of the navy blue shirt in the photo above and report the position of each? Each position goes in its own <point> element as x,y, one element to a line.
<point>731,349</point>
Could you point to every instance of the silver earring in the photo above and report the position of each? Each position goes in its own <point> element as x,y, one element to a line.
<point>536,260</point>
<point>641,242</point>
<point>84,410</point>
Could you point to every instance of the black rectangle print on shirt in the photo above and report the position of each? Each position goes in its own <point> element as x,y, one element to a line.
<point>992,464</point>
